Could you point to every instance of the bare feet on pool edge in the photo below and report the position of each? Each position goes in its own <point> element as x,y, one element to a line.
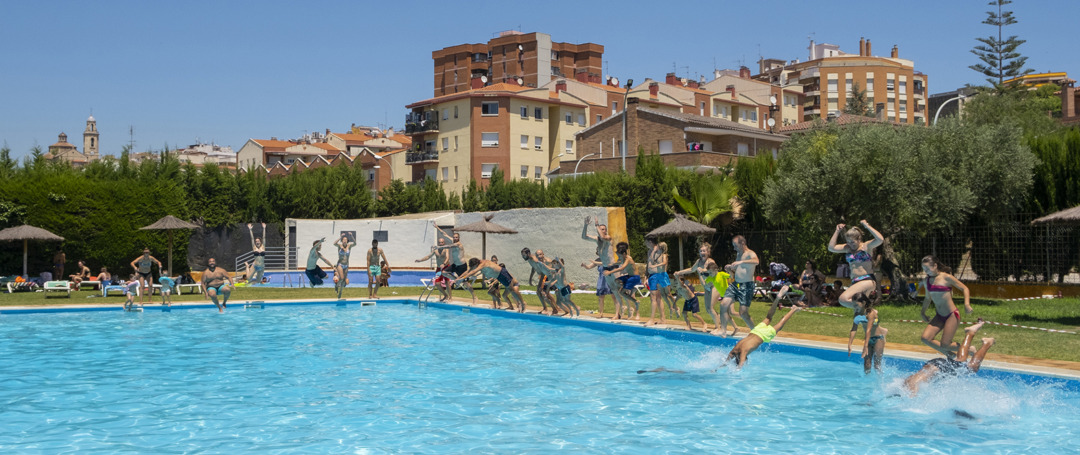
<point>975,327</point>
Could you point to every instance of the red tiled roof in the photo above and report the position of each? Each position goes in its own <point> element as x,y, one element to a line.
<point>273,144</point>
<point>325,146</point>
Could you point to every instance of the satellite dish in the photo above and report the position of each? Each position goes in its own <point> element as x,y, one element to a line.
<point>615,81</point>
<point>520,81</point>
<point>520,48</point>
<point>771,123</point>
<point>772,100</point>
<point>483,79</point>
<point>683,80</point>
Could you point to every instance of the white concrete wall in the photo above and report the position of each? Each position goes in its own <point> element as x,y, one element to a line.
<point>408,239</point>
<point>557,231</point>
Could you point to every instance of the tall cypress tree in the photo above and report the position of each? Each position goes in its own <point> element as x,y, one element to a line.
<point>999,55</point>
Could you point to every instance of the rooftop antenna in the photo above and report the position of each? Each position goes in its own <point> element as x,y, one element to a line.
<point>131,137</point>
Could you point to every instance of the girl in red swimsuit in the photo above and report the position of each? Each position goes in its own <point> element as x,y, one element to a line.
<point>939,285</point>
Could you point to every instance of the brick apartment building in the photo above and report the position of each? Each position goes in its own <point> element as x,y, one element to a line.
<point>683,140</point>
<point>528,59</point>
<point>829,75</point>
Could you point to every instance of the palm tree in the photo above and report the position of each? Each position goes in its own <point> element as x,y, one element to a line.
<point>710,197</point>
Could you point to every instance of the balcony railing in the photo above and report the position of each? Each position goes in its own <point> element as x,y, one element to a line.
<point>422,127</point>
<point>420,156</point>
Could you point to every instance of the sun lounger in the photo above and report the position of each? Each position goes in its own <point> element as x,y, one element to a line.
<point>58,287</point>
<point>95,284</point>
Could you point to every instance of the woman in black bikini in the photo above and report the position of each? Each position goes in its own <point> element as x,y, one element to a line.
<point>939,285</point>
<point>859,258</point>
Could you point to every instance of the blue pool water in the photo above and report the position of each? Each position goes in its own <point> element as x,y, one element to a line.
<point>397,379</point>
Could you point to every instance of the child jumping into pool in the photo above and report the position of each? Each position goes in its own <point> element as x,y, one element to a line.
<point>563,290</point>
<point>952,367</point>
<point>130,289</point>
<point>488,269</point>
<point>873,334</point>
<point>341,269</point>
<point>761,333</point>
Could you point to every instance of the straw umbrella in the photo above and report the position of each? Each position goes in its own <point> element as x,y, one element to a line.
<point>681,227</point>
<point>485,227</point>
<point>1067,217</point>
<point>26,233</point>
<point>169,223</point>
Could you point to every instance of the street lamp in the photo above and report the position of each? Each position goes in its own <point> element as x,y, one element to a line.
<point>936,114</point>
<point>388,165</point>
<point>579,162</point>
<point>629,82</point>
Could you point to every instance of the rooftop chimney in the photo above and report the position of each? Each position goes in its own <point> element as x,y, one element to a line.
<point>731,89</point>
<point>895,52</point>
<point>560,86</point>
<point>868,52</point>
<point>831,117</point>
<point>862,46</point>
<point>654,88</point>
<point>670,79</point>
<point>476,83</point>
<point>744,72</point>
<point>581,76</point>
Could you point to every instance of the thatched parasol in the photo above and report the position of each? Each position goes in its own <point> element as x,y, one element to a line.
<point>26,233</point>
<point>1069,217</point>
<point>485,227</point>
<point>681,227</point>
<point>169,223</point>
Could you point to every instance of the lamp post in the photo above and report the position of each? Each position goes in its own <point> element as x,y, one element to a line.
<point>936,114</point>
<point>388,165</point>
<point>579,163</point>
<point>629,82</point>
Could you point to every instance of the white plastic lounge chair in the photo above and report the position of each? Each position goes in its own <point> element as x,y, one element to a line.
<point>58,287</point>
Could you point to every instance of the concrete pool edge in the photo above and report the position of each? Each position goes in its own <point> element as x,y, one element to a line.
<point>785,342</point>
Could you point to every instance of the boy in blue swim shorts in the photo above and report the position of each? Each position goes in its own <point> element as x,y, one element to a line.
<point>690,304</point>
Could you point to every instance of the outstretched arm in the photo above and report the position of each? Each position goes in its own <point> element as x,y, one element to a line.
<point>591,264</point>
<point>251,235</point>
<point>585,231</point>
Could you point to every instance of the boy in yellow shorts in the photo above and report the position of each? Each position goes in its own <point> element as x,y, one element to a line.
<point>761,333</point>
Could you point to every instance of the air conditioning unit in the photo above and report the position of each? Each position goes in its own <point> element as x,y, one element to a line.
<point>485,175</point>
<point>539,147</point>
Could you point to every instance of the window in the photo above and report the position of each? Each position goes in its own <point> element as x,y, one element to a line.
<point>581,119</point>
<point>665,147</point>
<point>539,172</point>
<point>524,172</point>
<point>455,111</point>
<point>445,114</point>
<point>903,87</point>
<point>889,83</point>
<point>744,149</point>
<point>614,107</point>
<point>485,170</point>
<point>903,109</point>
<point>371,175</point>
<point>569,118</point>
<point>869,82</point>
<point>539,143</point>
<point>538,113</point>
<point>445,144</point>
<point>525,112</point>
<point>554,55</point>
<point>569,147</point>
<point>702,113</point>
<point>489,108</point>
<point>455,173</point>
<point>753,115</point>
<point>455,143</point>
<point>524,141</point>
<point>445,174</point>
<point>599,118</point>
<point>489,139</point>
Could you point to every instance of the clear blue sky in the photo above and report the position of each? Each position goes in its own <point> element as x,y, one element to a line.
<point>231,70</point>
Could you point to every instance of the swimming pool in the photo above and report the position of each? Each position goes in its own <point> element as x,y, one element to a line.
<point>394,378</point>
<point>357,278</point>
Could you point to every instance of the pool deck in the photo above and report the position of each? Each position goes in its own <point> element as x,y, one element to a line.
<point>1018,364</point>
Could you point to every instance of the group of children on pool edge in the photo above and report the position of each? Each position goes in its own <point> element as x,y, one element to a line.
<point>619,277</point>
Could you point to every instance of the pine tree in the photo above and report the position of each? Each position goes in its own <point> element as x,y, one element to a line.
<point>1000,59</point>
<point>857,103</point>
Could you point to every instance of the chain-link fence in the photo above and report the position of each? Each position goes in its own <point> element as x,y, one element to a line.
<point>1005,251</point>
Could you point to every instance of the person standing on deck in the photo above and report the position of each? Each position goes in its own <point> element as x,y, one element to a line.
<point>706,268</point>
<point>142,266</point>
<point>442,266</point>
<point>742,284</point>
<point>608,260</point>
<point>458,266</point>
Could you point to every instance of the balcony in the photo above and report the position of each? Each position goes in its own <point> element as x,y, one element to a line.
<point>811,89</point>
<point>428,126</point>
<point>421,156</point>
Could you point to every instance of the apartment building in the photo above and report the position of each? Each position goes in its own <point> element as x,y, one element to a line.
<point>829,77</point>
<point>688,141</point>
<point>519,129</point>
<point>747,101</point>
<point>527,59</point>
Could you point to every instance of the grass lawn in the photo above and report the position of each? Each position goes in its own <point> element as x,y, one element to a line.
<point>1062,314</point>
